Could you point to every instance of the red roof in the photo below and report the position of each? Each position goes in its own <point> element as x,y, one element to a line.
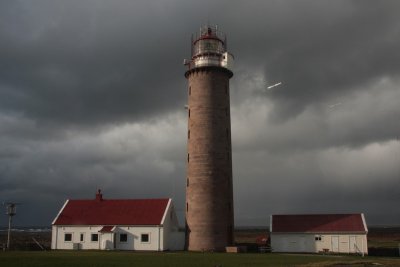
<point>107,229</point>
<point>319,223</point>
<point>101,211</point>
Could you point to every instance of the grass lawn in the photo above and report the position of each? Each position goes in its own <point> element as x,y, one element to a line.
<point>121,259</point>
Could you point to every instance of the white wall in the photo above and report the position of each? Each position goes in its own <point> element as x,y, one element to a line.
<point>134,241</point>
<point>292,243</point>
<point>58,235</point>
<point>163,237</point>
<point>107,240</point>
<point>339,243</point>
<point>172,238</point>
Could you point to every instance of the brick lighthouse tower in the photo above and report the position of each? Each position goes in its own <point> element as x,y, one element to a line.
<point>209,194</point>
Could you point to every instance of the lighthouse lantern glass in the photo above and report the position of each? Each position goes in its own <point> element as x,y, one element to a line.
<point>208,46</point>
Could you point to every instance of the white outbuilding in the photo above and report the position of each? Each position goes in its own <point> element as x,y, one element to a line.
<point>117,224</point>
<point>319,233</point>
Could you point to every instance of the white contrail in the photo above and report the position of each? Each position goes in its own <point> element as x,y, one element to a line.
<point>274,85</point>
<point>335,105</point>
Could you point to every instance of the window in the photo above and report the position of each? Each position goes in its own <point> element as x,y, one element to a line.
<point>190,90</point>
<point>187,207</point>
<point>68,237</point>
<point>94,238</point>
<point>189,112</point>
<point>318,238</point>
<point>187,182</point>
<point>189,134</point>
<point>123,238</point>
<point>82,237</point>
<point>188,157</point>
<point>145,238</point>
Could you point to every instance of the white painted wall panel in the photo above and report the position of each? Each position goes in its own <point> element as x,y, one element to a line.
<point>341,243</point>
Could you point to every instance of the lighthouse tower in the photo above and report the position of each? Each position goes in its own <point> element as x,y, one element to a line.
<point>209,194</point>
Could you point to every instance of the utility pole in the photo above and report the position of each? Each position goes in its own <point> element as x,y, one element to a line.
<point>11,211</point>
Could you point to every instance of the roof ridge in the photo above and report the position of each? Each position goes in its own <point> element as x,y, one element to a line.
<point>130,199</point>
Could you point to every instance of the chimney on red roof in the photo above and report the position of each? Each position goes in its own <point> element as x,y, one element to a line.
<point>99,195</point>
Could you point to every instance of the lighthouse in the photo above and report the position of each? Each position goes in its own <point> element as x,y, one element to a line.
<point>209,189</point>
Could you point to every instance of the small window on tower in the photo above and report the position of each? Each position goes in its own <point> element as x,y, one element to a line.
<point>187,182</point>
<point>189,113</point>
<point>189,134</point>
<point>188,157</point>
<point>190,90</point>
<point>187,207</point>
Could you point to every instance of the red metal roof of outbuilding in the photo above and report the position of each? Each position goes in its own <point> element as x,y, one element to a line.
<point>101,211</point>
<point>319,223</point>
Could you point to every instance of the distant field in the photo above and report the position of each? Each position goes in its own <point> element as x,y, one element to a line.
<point>384,237</point>
<point>121,259</point>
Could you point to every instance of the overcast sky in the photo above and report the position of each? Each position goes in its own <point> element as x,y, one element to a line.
<point>92,95</point>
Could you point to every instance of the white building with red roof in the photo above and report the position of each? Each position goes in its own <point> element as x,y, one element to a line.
<point>120,224</point>
<point>327,233</point>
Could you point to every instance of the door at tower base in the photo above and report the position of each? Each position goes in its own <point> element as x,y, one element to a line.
<point>319,233</point>
<point>117,224</point>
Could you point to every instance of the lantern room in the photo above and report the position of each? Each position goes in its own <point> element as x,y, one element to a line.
<point>209,49</point>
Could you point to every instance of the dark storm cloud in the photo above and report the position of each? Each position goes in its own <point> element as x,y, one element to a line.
<point>92,96</point>
<point>89,62</point>
<point>328,181</point>
<point>320,50</point>
<point>93,61</point>
<point>362,117</point>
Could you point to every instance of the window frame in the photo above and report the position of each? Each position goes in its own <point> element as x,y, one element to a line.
<point>148,238</point>
<point>126,238</point>
<point>70,234</point>
<point>91,237</point>
<point>82,237</point>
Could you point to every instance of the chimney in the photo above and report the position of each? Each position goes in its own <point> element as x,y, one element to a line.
<point>99,195</point>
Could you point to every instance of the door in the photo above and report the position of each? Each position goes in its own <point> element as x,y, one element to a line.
<point>335,243</point>
<point>107,241</point>
<point>302,244</point>
<point>352,244</point>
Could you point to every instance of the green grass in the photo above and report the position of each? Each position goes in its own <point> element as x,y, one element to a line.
<point>121,259</point>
